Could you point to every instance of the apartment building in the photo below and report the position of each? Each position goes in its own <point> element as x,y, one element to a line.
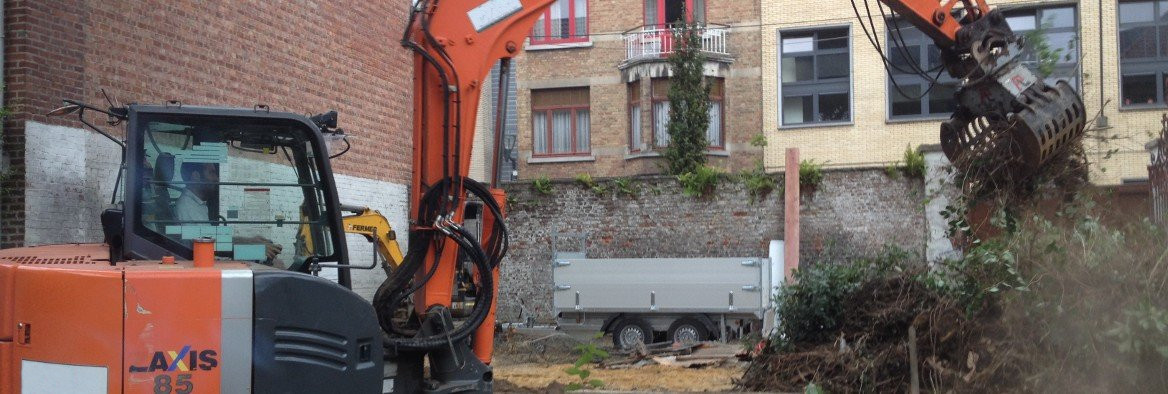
<point>592,86</point>
<point>826,91</point>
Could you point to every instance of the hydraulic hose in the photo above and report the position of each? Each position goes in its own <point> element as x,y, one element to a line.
<point>396,289</point>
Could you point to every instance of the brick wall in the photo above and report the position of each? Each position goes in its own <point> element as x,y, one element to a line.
<point>303,57</point>
<point>871,139</point>
<point>595,64</point>
<point>854,213</point>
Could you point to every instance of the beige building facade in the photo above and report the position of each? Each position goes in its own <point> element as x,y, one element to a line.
<point>824,88</point>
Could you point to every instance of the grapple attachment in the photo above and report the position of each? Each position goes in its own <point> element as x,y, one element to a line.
<point>1051,118</point>
<point>1005,113</point>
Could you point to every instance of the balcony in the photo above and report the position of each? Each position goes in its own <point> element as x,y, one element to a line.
<point>655,43</point>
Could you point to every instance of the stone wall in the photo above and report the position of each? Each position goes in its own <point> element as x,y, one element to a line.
<point>853,213</point>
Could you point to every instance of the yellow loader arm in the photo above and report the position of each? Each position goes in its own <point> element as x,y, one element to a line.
<point>373,225</point>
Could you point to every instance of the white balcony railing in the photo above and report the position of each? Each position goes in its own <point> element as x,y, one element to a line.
<point>649,42</point>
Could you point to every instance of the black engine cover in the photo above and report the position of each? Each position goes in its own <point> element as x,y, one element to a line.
<point>313,336</point>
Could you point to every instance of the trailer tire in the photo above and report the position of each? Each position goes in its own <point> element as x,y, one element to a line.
<point>629,329</point>
<point>688,330</point>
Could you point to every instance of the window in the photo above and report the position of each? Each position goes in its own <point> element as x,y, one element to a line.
<point>560,122</point>
<point>569,23</point>
<point>910,101</point>
<point>636,143</point>
<point>660,101</point>
<point>815,69</point>
<point>660,13</point>
<point>1143,52</point>
<point>1060,33</point>
<point>661,113</point>
<point>250,184</point>
<point>714,132</point>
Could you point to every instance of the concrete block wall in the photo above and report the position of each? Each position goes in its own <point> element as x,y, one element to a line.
<point>71,174</point>
<point>853,213</point>
<point>873,140</point>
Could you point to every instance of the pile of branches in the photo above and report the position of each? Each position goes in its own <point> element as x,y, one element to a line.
<point>870,351</point>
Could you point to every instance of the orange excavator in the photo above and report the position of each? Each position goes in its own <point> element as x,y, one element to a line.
<point>205,281</point>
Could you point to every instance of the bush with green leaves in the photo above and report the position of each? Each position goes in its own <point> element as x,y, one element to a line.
<point>700,182</point>
<point>914,163</point>
<point>758,183</point>
<point>589,354</point>
<point>543,185</point>
<point>591,184</point>
<point>810,174</point>
<point>758,141</point>
<point>626,186</point>
<point>811,307</point>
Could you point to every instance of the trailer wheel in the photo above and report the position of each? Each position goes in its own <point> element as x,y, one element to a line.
<point>630,330</point>
<point>688,330</point>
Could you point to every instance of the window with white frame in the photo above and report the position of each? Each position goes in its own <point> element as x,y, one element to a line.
<point>1143,53</point>
<point>660,101</point>
<point>560,122</point>
<point>815,69</point>
<point>565,21</point>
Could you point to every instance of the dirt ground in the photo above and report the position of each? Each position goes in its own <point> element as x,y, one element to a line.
<point>648,378</point>
<point>535,363</point>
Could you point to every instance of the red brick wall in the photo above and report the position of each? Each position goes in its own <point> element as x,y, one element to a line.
<point>298,56</point>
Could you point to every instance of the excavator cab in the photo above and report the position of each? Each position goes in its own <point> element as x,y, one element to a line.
<point>256,182</point>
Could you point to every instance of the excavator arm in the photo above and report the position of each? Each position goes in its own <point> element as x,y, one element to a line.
<point>373,225</point>
<point>454,44</point>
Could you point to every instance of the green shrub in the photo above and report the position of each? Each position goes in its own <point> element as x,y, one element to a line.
<point>700,182</point>
<point>585,180</point>
<point>758,183</point>
<point>589,353</point>
<point>811,308</point>
<point>625,186</point>
<point>590,184</point>
<point>810,174</point>
<point>758,141</point>
<point>914,163</point>
<point>892,170</point>
<point>543,185</point>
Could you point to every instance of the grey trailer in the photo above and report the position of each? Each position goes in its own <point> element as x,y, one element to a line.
<point>673,299</point>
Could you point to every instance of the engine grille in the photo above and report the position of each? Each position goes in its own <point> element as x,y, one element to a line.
<point>51,260</point>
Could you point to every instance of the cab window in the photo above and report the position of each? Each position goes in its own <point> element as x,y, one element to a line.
<point>249,184</point>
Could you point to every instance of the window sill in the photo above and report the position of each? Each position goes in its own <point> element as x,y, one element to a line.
<point>642,154</point>
<point>813,125</point>
<point>1142,107</point>
<point>653,153</point>
<point>560,159</point>
<point>916,119</point>
<point>561,45</point>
